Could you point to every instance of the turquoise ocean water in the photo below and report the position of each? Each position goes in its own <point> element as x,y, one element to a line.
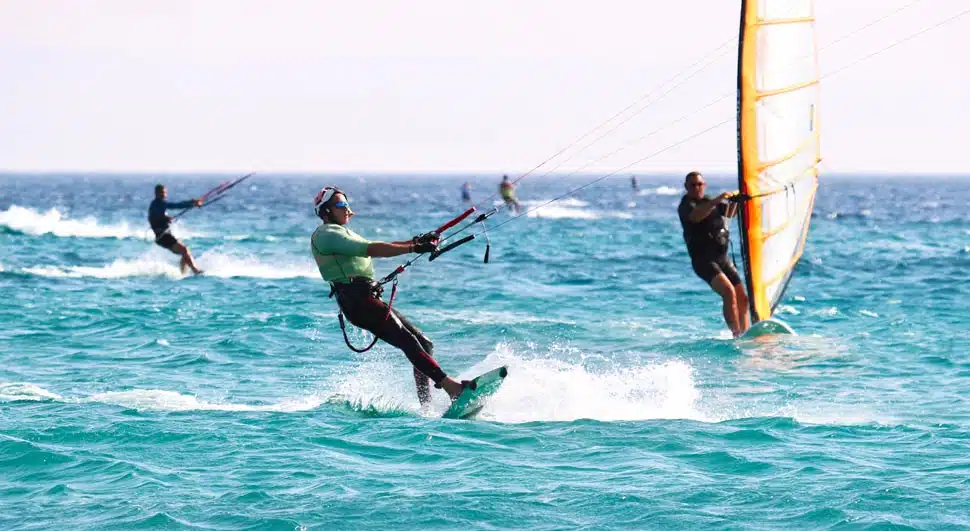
<point>134,398</point>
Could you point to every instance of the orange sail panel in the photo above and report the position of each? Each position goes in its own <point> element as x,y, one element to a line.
<point>778,142</point>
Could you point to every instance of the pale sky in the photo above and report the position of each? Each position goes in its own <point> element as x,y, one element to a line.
<point>450,85</point>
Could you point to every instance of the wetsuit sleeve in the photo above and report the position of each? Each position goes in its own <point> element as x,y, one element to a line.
<point>180,204</point>
<point>686,207</point>
<point>342,243</point>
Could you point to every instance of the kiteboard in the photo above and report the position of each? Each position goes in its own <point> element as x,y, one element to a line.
<point>768,327</point>
<point>476,394</point>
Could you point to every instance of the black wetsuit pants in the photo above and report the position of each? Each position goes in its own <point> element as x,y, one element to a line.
<point>362,305</point>
<point>709,266</point>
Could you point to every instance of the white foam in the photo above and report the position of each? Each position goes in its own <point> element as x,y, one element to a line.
<point>19,391</point>
<point>148,266</point>
<point>568,208</point>
<point>568,202</point>
<point>660,190</point>
<point>560,212</point>
<point>158,263</point>
<point>229,265</point>
<point>553,390</point>
<point>160,400</point>
<point>267,238</point>
<point>33,222</point>
<point>379,384</point>
<point>539,389</point>
<point>480,317</point>
<point>838,415</point>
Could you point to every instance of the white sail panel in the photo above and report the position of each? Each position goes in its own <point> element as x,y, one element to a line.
<point>778,140</point>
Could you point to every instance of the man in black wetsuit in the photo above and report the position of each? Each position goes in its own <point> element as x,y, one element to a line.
<point>706,233</point>
<point>161,224</point>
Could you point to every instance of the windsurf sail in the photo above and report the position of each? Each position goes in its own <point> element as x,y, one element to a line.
<point>778,142</point>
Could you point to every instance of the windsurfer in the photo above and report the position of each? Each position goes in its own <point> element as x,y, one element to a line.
<point>705,225</point>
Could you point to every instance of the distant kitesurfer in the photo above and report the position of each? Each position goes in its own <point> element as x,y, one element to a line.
<point>705,225</point>
<point>344,260</point>
<point>507,189</point>
<point>634,183</point>
<point>466,192</point>
<point>161,224</point>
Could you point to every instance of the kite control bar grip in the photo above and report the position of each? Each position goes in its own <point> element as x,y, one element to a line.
<point>392,275</point>
<point>450,246</point>
<point>455,221</point>
<point>214,200</point>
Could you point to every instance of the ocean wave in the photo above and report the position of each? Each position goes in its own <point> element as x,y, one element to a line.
<point>20,220</point>
<point>569,208</point>
<point>23,391</point>
<point>161,400</point>
<point>568,202</point>
<point>486,317</point>
<point>155,400</point>
<point>555,390</point>
<point>538,389</point>
<point>557,212</point>
<point>228,265</point>
<point>214,263</point>
<point>120,268</point>
<point>660,190</point>
<point>260,238</point>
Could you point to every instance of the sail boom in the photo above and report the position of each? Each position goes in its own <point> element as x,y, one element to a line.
<point>789,221</point>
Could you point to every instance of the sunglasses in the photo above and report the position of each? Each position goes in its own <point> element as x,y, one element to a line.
<point>342,204</point>
<point>696,184</point>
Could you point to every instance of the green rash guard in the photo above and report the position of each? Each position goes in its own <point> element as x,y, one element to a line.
<point>340,253</point>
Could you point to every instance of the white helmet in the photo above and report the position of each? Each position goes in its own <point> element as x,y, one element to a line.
<point>322,197</point>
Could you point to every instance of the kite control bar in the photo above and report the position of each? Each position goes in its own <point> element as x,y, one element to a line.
<point>480,219</point>
<point>436,235</point>
<point>215,194</point>
<point>455,221</point>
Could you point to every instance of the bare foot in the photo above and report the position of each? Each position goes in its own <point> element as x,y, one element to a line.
<point>452,387</point>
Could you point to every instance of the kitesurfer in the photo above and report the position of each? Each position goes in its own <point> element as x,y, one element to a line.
<point>161,224</point>
<point>344,260</point>
<point>507,190</point>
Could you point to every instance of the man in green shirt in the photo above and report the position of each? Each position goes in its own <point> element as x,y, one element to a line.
<point>344,260</point>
